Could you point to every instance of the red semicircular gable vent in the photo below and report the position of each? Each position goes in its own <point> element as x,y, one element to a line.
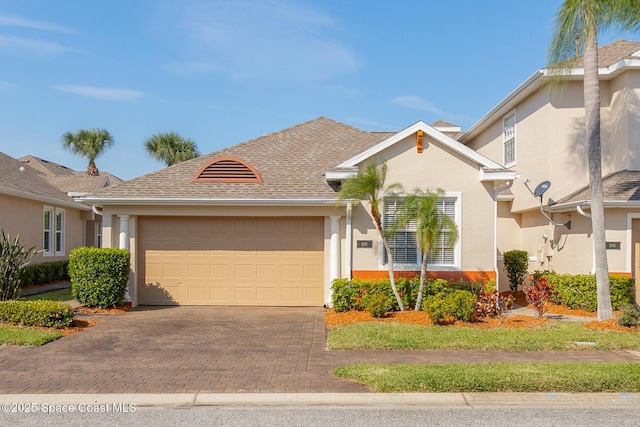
<point>227,169</point>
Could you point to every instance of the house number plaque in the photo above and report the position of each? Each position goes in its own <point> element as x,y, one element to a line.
<point>613,245</point>
<point>365,243</point>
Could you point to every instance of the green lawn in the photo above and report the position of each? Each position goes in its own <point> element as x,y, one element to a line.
<point>497,377</point>
<point>553,336</point>
<point>59,295</point>
<point>26,336</point>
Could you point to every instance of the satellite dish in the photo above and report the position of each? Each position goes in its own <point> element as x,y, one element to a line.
<point>541,188</point>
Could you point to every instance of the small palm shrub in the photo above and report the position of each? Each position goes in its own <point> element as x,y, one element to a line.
<point>13,258</point>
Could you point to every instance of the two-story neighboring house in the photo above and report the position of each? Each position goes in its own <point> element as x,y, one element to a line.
<point>540,134</point>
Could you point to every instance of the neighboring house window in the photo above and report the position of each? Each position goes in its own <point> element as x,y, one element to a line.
<point>53,227</point>
<point>59,232</point>
<point>403,244</point>
<point>509,138</point>
<point>47,234</point>
<point>99,234</point>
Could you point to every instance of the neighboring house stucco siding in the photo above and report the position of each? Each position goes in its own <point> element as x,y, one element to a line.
<point>24,217</point>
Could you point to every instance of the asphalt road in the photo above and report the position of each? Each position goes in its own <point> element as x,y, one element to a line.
<point>352,417</point>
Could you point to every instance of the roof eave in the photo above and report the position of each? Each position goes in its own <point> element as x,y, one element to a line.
<point>105,201</point>
<point>44,199</point>
<point>499,175</point>
<point>610,204</point>
<point>433,133</point>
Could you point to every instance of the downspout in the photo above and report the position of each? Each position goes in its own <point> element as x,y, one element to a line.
<point>593,249</point>
<point>349,239</point>
<point>95,210</point>
<point>495,233</point>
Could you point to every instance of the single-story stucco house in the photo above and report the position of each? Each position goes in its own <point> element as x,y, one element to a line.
<point>38,204</point>
<point>259,223</point>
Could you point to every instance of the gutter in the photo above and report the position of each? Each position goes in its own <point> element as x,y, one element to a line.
<point>100,201</point>
<point>45,199</point>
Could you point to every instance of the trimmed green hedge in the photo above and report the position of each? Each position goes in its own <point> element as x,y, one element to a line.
<point>46,272</point>
<point>50,314</point>
<point>361,294</point>
<point>99,276</point>
<point>459,304</point>
<point>579,290</point>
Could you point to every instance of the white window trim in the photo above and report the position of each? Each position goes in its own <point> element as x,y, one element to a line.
<point>51,241</point>
<point>515,139</point>
<point>457,249</point>
<point>60,252</point>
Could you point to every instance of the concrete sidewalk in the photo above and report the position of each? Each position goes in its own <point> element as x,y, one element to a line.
<point>335,400</point>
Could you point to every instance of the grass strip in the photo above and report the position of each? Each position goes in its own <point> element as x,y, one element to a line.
<point>553,336</point>
<point>497,377</point>
<point>10,335</point>
<point>59,295</point>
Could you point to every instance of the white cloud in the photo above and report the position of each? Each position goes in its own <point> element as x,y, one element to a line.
<point>192,68</point>
<point>111,94</point>
<point>16,21</point>
<point>417,103</point>
<point>34,47</point>
<point>6,86</point>
<point>277,39</point>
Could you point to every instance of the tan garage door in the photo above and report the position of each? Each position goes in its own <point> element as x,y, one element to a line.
<point>231,261</point>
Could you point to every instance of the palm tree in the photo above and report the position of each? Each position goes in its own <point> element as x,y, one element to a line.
<point>171,148</point>
<point>577,26</point>
<point>368,185</point>
<point>89,143</point>
<point>432,225</point>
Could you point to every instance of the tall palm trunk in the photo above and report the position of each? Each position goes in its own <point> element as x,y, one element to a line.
<point>423,277</point>
<point>92,169</point>
<point>592,114</point>
<point>387,248</point>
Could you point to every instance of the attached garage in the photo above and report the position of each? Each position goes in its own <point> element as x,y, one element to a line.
<point>271,261</point>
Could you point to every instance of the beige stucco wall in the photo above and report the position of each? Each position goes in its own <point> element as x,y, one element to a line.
<point>24,217</point>
<point>437,167</point>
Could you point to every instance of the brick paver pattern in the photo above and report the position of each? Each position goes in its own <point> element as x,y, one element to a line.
<point>216,350</point>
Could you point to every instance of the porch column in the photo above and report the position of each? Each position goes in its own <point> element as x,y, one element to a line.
<point>124,232</point>
<point>334,269</point>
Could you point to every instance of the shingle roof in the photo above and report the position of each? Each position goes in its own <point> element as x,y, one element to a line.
<point>66,179</point>
<point>622,186</point>
<point>16,179</point>
<point>292,163</point>
<point>613,53</point>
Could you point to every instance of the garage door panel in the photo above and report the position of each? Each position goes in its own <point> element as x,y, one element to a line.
<point>232,261</point>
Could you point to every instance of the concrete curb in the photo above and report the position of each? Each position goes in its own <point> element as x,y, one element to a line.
<point>440,400</point>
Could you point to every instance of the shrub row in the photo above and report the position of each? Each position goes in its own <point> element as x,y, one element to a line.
<point>50,314</point>
<point>579,290</point>
<point>377,297</point>
<point>99,276</point>
<point>46,272</point>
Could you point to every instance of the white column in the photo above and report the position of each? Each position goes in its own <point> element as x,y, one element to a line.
<point>124,232</point>
<point>334,269</point>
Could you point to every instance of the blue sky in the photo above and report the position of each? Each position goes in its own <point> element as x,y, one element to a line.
<point>222,72</point>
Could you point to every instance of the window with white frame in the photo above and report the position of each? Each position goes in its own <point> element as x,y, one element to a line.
<point>59,227</point>
<point>99,234</point>
<point>47,231</point>
<point>403,244</point>
<point>53,231</point>
<point>509,138</point>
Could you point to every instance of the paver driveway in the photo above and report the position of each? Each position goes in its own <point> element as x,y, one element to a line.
<point>213,349</point>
